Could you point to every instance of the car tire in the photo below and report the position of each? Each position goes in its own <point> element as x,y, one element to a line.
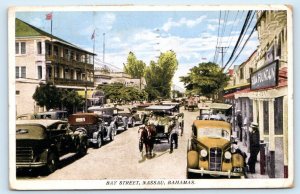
<point>52,161</point>
<point>112,135</point>
<point>99,141</point>
<point>82,149</point>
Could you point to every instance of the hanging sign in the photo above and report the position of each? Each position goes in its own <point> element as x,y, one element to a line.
<point>265,77</point>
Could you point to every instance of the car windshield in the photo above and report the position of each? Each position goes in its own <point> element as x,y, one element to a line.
<point>214,133</point>
<point>30,132</point>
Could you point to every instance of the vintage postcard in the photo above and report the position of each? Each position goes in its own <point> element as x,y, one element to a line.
<point>150,97</point>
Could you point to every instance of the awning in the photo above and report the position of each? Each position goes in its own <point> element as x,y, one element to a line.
<point>231,95</point>
<point>237,86</point>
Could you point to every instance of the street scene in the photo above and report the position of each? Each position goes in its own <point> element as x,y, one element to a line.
<point>190,95</point>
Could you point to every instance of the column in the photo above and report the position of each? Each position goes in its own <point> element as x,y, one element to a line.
<point>271,139</point>
<point>261,134</point>
<point>254,111</point>
<point>285,136</point>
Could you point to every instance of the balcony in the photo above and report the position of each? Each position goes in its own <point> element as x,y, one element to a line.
<point>70,82</point>
<point>70,63</point>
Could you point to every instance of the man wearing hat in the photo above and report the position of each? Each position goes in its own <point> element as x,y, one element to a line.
<point>254,146</point>
<point>240,124</point>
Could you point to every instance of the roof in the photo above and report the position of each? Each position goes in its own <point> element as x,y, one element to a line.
<point>231,95</point>
<point>43,122</point>
<point>159,107</point>
<point>101,108</point>
<point>24,29</point>
<point>211,124</point>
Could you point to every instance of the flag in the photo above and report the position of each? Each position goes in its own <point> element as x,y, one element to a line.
<point>49,16</point>
<point>93,35</point>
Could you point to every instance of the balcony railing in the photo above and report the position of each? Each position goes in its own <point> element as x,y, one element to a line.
<point>70,82</point>
<point>71,63</point>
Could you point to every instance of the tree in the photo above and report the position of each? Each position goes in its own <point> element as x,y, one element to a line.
<point>159,75</point>
<point>47,95</point>
<point>119,92</point>
<point>71,100</point>
<point>205,79</point>
<point>52,97</point>
<point>135,68</point>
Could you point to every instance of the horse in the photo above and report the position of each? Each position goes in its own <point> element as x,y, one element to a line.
<point>147,136</point>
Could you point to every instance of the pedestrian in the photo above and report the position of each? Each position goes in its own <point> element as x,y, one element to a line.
<point>240,124</point>
<point>254,146</point>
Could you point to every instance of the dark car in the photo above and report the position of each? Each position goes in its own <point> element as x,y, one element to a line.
<point>95,127</point>
<point>41,143</point>
<point>53,114</point>
<point>121,120</point>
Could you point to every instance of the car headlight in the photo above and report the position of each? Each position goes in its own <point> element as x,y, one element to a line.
<point>203,153</point>
<point>227,155</point>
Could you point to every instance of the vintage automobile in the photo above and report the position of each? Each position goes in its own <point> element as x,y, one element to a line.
<point>97,132</point>
<point>176,112</point>
<point>165,123</point>
<point>215,111</point>
<point>134,118</point>
<point>121,121</point>
<point>210,151</point>
<point>53,114</point>
<point>42,143</point>
<point>191,104</point>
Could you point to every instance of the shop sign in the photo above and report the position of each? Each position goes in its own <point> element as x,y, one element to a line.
<point>265,77</point>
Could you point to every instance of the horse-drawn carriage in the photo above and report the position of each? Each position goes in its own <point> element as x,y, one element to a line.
<point>161,123</point>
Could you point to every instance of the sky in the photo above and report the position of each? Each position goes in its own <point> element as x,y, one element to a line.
<point>193,35</point>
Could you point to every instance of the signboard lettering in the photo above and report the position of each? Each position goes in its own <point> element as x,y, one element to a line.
<point>265,77</point>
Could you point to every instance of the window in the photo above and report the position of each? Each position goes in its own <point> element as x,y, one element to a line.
<point>251,70</point>
<point>23,72</point>
<point>278,115</point>
<point>23,48</point>
<point>55,50</point>
<point>39,71</point>
<point>17,72</point>
<point>17,48</point>
<point>39,48</point>
<point>17,92</point>
<point>242,73</point>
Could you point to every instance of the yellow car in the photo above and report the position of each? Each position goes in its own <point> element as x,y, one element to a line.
<point>211,151</point>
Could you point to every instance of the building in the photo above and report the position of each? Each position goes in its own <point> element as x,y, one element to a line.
<point>268,92</point>
<point>42,57</point>
<point>106,77</point>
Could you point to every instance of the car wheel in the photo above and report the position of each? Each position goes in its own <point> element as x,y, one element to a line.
<point>112,135</point>
<point>82,149</point>
<point>52,161</point>
<point>99,141</point>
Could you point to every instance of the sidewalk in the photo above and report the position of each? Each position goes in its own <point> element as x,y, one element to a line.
<point>257,174</point>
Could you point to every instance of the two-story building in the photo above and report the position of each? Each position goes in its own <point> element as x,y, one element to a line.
<point>42,57</point>
<point>266,81</point>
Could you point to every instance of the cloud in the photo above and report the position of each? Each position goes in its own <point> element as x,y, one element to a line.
<point>182,22</point>
<point>108,20</point>
<point>212,27</point>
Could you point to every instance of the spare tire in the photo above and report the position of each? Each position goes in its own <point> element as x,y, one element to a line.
<point>192,159</point>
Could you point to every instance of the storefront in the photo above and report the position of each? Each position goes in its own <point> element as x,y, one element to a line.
<point>269,96</point>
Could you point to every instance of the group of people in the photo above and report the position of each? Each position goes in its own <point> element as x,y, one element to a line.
<point>254,139</point>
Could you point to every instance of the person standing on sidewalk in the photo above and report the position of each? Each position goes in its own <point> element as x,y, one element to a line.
<point>239,120</point>
<point>254,146</point>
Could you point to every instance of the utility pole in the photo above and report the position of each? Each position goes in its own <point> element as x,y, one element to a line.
<point>221,50</point>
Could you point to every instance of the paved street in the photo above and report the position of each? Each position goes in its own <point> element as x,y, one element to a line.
<point>121,159</point>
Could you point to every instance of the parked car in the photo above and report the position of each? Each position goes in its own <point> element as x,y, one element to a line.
<point>97,132</point>
<point>53,114</point>
<point>211,151</point>
<point>41,143</point>
<point>134,118</point>
<point>215,111</point>
<point>121,120</point>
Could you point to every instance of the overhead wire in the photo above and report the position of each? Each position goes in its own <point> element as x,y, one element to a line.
<point>252,31</point>
<point>239,38</point>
